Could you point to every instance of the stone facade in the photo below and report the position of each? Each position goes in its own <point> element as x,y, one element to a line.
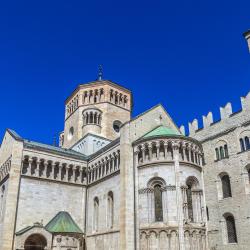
<point>122,183</point>
<point>226,153</point>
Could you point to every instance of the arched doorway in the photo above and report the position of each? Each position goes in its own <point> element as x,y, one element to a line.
<point>35,242</point>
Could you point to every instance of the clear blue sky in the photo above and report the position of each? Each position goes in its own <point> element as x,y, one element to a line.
<point>188,55</point>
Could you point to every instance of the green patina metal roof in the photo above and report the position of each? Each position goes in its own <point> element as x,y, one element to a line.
<point>162,131</point>
<point>63,223</point>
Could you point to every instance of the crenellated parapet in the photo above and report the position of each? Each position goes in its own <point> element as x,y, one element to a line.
<point>226,116</point>
<point>5,168</point>
<point>59,170</point>
<point>105,165</point>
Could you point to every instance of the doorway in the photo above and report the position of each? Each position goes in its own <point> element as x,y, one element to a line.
<point>35,242</point>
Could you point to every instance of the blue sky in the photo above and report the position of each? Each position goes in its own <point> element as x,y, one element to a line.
<point>188,55</point>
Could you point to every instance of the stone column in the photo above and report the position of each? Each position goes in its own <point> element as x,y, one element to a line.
<point>80,176</point>
<point>59,176</point>
<point>37,168</point>
<point>157,150</point>
<point>44,175</point>
<point>166,149</point>
<point>52,176</point>
<point>67,173</point>
<point>74,174</point>
<point>143,153</point>
<point>178,195</point>
<point>150,152</point>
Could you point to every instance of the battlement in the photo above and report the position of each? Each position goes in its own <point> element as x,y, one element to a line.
<point>226,113</point>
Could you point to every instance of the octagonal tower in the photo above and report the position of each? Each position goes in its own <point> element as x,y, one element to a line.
<point>97,108</point>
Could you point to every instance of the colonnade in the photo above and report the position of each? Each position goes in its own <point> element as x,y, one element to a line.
<point>108,164</point>
<point>118,98</point>
<point>162,150</point>
<point>93,96</point>
<point>73,105</point>
<point>58,171</point>
<point>92,116</point>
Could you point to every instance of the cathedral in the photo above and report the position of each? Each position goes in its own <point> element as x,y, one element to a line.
<point>118,182</point>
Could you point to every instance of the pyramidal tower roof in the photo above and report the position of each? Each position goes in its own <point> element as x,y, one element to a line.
<point>63,223</point>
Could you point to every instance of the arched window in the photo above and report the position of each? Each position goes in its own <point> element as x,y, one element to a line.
<point>217,154</point>
<point>226,151</point>
<point>110,210</point>
<point>158,203</point>
<point>157,184</point>
<point>190,203</point>
<point>247,143</point>
<point>226,186</point>
<point>192,183</point>
<point>222,155</point>
<point>231,230</point>
<point>96,214</point>
<point>242,145</point>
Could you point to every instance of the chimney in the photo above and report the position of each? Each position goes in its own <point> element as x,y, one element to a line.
<point>247,37</point>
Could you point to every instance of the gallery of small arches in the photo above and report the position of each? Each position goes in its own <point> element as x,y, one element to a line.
<point>92,116</point>
<point>35,242</point>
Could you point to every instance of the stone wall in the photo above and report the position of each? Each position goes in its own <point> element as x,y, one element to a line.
<point>228,131</point>
<point>41,200</point>
<point>3,194</point>
<point>103,236</point>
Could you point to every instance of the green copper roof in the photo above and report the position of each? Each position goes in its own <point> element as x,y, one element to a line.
<point>162,131</point>
<point>63,223</point>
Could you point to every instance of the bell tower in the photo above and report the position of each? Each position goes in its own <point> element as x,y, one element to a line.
<point>96,108</point>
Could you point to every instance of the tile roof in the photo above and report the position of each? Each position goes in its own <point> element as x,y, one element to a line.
<point>161,131</point>
<point>63,223</point>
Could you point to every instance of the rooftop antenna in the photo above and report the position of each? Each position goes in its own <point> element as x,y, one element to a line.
<point>100,73</point>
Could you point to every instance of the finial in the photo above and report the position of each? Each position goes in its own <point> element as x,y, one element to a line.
<point>100,73</point>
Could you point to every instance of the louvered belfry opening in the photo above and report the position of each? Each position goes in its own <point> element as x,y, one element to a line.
<point>226,186</point>
<point>231,230</point>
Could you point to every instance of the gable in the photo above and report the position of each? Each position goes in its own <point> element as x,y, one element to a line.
<point>148,121</point>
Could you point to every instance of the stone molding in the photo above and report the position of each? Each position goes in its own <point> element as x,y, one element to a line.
<point>5,168</point>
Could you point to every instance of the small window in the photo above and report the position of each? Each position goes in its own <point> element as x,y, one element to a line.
<point>226,186</point>
<point>116,126</point>
<point>71,133</point>
<point>207,213</point>
<point>242,145</point>
<point>231,230</point>
<point>247,142</point>
<point>158,203</point>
